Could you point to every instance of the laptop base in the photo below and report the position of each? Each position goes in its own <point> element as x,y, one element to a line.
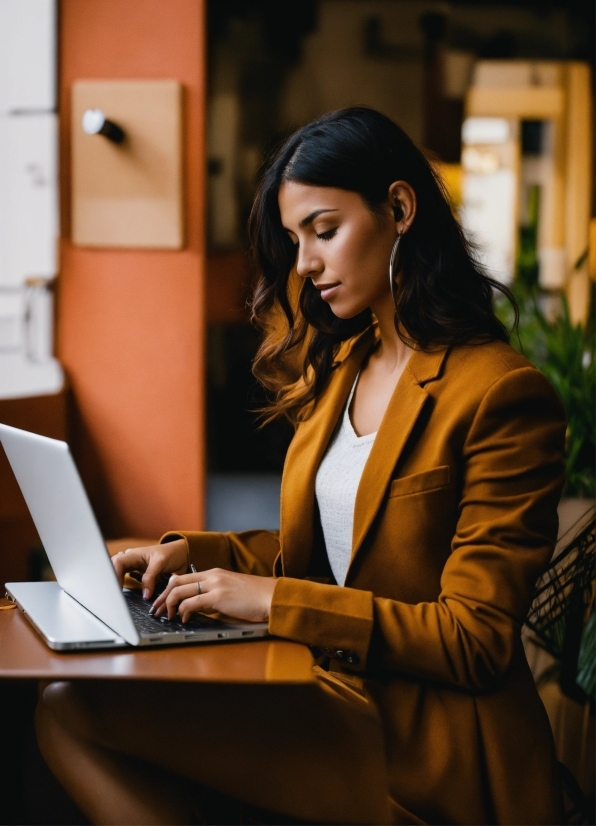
<point>60,620</point>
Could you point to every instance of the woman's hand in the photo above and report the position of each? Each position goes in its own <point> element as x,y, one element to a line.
<point>170,558</point>
<point>242,596</point>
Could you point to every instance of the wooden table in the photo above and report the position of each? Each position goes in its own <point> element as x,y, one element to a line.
<point>24,656</point>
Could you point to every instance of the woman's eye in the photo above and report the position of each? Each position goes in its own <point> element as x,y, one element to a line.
<point>328,235</point>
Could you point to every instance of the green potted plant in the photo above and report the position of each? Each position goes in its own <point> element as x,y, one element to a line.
<point>565,353</point>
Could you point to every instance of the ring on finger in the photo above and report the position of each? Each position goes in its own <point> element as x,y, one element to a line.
<point>199,589</point>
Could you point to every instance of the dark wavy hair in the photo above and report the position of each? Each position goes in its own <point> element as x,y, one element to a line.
<point>444,296</point>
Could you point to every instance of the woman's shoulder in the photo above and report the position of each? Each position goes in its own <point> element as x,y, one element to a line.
<point>492,359</point>
<point>471,369</point>
<point>495,370</point>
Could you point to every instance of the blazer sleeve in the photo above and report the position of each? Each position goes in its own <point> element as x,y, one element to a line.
<point>248,552</point>
<point>513,471</point>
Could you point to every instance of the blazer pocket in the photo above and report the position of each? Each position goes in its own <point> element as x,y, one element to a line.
<point>438,477</point>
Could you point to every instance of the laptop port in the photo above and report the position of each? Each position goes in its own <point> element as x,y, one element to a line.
<point>223,635</point>
<point>247,633</point>
<point>155,639</point>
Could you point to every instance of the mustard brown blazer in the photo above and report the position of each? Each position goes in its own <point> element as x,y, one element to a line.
<point>455,518</point>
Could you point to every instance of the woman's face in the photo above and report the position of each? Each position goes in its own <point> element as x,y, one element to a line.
<point>341,245</point>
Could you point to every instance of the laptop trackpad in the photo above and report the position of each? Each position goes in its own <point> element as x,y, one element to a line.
<point>59,618</point>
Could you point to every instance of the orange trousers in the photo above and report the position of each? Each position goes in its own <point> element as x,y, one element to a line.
<point>140,753</point>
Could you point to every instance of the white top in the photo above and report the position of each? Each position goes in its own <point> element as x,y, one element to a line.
<point>336,486</point>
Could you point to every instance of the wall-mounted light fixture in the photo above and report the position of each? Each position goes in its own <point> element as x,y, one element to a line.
<point>94,122</point>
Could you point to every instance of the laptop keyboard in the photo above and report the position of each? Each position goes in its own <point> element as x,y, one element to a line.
<point>146,623</point>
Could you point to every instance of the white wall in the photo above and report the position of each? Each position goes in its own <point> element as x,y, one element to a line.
<point>28,197</point>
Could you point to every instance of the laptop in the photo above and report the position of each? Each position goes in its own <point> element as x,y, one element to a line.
<point>86,608</point>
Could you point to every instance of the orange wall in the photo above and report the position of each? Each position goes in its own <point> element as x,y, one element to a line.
<point>130,322</point>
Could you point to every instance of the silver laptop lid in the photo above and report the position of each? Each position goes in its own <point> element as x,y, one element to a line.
<point>56,498</point>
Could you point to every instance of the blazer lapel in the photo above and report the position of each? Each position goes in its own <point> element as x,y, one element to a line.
<point>405,406</point>
<point>304,456</point>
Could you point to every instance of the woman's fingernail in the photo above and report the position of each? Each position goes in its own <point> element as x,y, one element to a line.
<point>145,593</point>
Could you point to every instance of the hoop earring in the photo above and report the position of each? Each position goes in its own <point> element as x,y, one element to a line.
<point>392,266</point>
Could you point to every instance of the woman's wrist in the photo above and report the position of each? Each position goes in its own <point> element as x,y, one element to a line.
<point>170,539</point>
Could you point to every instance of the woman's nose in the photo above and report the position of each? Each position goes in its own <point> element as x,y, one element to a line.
<point>308,264</point>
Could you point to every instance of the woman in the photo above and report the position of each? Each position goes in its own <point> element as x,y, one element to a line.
<point>418,508</point>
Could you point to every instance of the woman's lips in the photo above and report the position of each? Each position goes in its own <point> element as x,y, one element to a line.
<point>328,292</point>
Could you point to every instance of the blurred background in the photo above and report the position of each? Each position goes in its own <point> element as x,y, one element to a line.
<point>499,95</point>
<point>124,275</point>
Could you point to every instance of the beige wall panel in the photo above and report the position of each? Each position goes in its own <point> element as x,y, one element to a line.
<point>538,102</point>
<point>128,194</point>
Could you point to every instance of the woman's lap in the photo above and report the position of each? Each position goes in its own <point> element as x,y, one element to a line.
<point>314,752</point>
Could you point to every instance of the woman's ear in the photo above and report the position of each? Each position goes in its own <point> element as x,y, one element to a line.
<point>398,212</point>
<point>403,204</point>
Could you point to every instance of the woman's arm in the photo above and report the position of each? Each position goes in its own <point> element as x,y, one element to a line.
<point>234,574</point>
<point>513,463</point>
<point>247,553</point>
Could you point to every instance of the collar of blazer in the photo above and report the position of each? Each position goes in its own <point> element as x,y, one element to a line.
<point>312,436</point>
